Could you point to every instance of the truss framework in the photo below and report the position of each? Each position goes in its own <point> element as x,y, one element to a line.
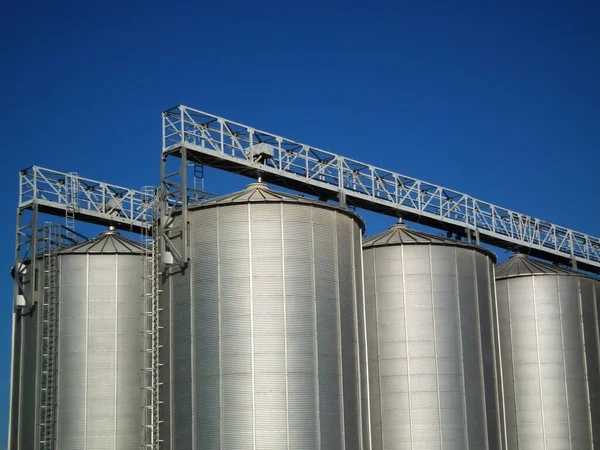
<point>77,198</point>
<point>224,144</point>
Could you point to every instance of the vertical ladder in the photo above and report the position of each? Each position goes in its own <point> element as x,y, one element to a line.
<point>199,177</point>
<point>71,192</point>
<point>198,182</point>
<point>152,326</point>
<point>49,312</point>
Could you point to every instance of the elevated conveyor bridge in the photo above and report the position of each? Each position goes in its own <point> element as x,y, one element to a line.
<point>203,138</point>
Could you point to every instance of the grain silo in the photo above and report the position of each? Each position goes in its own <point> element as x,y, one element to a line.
<point>548,321</point>
<point>79,352</point>
<point>260,340</point>
<point>431,342</point>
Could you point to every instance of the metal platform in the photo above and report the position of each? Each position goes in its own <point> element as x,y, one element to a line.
<point>67,194</point>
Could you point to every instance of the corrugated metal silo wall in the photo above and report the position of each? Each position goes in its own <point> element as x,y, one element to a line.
<point>16,384</point>
<point>363,355</point>
<point>550,350</point>
<point>430,326</point>
<point>263,330</point>
<point>25,413</point>
<point>101,352</point>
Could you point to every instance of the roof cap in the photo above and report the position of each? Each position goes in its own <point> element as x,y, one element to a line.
<point>520,264</point>
<point>259,192</point>
<point>108,242</point>
<point>401,234</point>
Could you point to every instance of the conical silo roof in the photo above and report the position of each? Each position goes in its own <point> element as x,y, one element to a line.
<point>262,193</point>
<point>401,234</point>
<point>520,264</point>
<point>109,242</point>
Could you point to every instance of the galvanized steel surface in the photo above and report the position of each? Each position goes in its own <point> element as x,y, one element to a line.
<point>550,356</point>
<point>263,328</point>
<point>100,350</point>
<point>24,413</point>
<point>101,345</point>
<point>26,348</point>
<point>430,327</point>
<point>520,264</point>
<point>109,242</point>
<point>100,369</point>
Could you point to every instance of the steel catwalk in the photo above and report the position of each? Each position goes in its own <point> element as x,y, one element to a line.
<point>550,355</point>
<point>431,343</point>
<point>200,137</point>
<point>262,328</point>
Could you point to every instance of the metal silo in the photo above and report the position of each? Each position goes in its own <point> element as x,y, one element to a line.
<point>548,321</point>
<point>260,332</point>
<point>100,344</point>
<point>79,351</point>
<point>431,342</point>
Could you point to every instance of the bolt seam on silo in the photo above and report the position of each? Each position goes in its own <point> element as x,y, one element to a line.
<point>597,334</point>
<point>512,363</point>
<point>587,391</point>
<point>189,269</point>
<point>461,351</point>
<point>539,363</point>
<point>435,349</point>
<point>562,348</point>
<point>364,331</point>
<point>116,342</point>
<point>378,342</point>
<point>87,348</point>
<point>220,336</point>
<point>497,349</point>
<point>252,326</point>
<point>316,329</point>
<point>410,410</point>
<point>356,302</point>
<point>480,347</point>
<point>285,340</point>
<point>339,323</point>
<point>58,372</point>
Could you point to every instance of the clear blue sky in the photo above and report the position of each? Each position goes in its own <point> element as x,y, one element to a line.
<point>501,102</point>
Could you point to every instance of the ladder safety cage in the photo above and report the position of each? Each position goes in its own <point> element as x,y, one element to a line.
<point>218,142</point>
<point>72,189</point>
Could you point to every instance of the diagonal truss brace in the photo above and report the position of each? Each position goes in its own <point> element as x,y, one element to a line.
<point>238,148</point>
